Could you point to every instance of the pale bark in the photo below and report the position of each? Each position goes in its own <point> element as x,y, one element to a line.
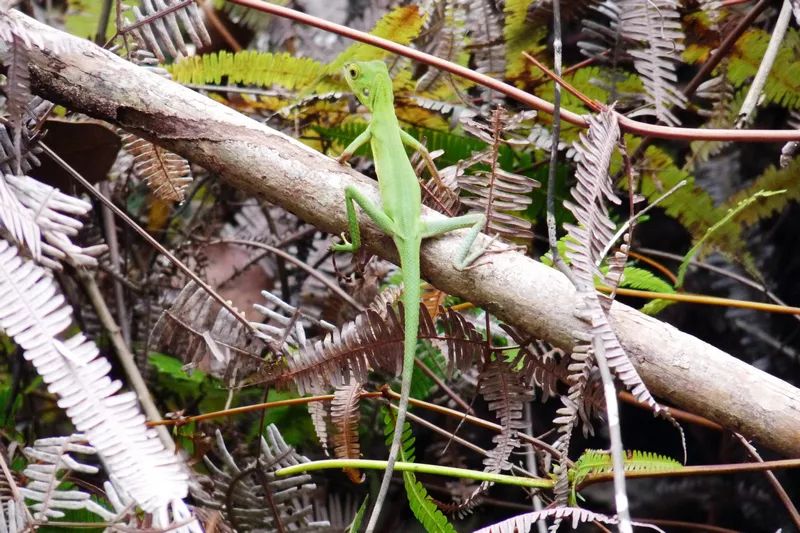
<point>678,368</point>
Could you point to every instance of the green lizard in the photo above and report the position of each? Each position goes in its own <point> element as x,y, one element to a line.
<point>399,216</point>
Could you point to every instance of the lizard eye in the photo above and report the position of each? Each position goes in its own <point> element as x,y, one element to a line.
<point>353,71</point>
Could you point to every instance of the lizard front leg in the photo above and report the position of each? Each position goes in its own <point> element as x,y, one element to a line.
<point>353,196</point>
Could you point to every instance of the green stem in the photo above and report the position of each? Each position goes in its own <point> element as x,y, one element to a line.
<point>419,468</point>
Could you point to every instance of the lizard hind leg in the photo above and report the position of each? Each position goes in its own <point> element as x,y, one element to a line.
<point>465,256</point>
<point>353,196</point>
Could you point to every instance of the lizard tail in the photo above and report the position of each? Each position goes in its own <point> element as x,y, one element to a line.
<point>409,263</point>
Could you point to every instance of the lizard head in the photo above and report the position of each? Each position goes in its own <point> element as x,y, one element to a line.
<point>368,79</point>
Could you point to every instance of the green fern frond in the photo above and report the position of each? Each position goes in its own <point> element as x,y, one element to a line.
<point>600,462</point>
<point>521,36</point>
<point>249,67</point>
<point>723,222</point>
<point>423,507</point>
<point>644,280</point>
<point>355,525</point>
<point>400,25</point>
<point>783,83</point>
<point>691,205</point>
<point>771,179</point>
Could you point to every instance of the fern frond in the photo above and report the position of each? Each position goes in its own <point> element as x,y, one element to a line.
<point>496,191</point>
<point>445,29</point>
<point>18,92</point>
<point>521,35</point>
<point>740,207</point>
<point>49,462</point>
<point>525,522</point>
<point>772,178</point>
<point>345,417</point>
<point>319,415</point>
<point>372,342</point>
<point>17,221</point>
<point>644,280</point>
<point>541,364</point>
<point>162,31</point>
<point>207,336</point>
<point>421,504</point>
<point>34,315</point>
<point>54,213</point>
<point>600,461</point>
<point>167,174</point>
<point>489,52</point>
<point>587,242</point>
<point>783,85</point>
<point>400,25</point>
<point>29,147</point>
<point>250,68</point>
<point>239,492</point>
<point>505,392</point>
<point>656,26</point>
<point>691,205</point>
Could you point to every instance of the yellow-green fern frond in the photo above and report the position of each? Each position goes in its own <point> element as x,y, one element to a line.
<point>400,25</point>
<point>424,509</point>
<point>771,179</point>
<point>691,205</point>
<point>521,36</point>
<point>249,67</point>
<point>600,462</point>
<point>783,83</point>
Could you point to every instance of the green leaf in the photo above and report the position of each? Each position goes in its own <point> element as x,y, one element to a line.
<point>644,280</point>
<point>355,525</point>
<point>424,509</point>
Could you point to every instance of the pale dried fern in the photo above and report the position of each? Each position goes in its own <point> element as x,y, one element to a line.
<point>34,315</point>
<point>656,26</point>
<point>207,337</point>
<point>157,27</point>
<point>239,492</point>
<point>49,463</point>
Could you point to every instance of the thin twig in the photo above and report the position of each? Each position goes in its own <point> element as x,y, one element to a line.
<point>776,485</point>
<point>304,266</point>
<point>767,60</point>
<point>146,236</point>
<point>627,124</point>
<point>125,356</point>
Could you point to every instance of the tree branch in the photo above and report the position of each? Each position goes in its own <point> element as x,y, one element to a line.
<point>677,367</point>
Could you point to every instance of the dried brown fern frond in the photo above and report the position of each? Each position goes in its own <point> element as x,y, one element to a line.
<point>157,27</point>
<point>496,192</point>
<point>373,342</point>
<point>207,336</point>
<point>167,174</point>
<point>444,30</point>
<point>505,392</point>
<point>252,497</point>
<point>486,41</point>
<point>18,93</point>
<point>345,418</point>
<point>440,192</point>
<point>319,416</point>
<point>656,26</point>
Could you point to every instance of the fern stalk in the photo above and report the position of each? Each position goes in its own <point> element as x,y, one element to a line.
<point>417,468</point>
